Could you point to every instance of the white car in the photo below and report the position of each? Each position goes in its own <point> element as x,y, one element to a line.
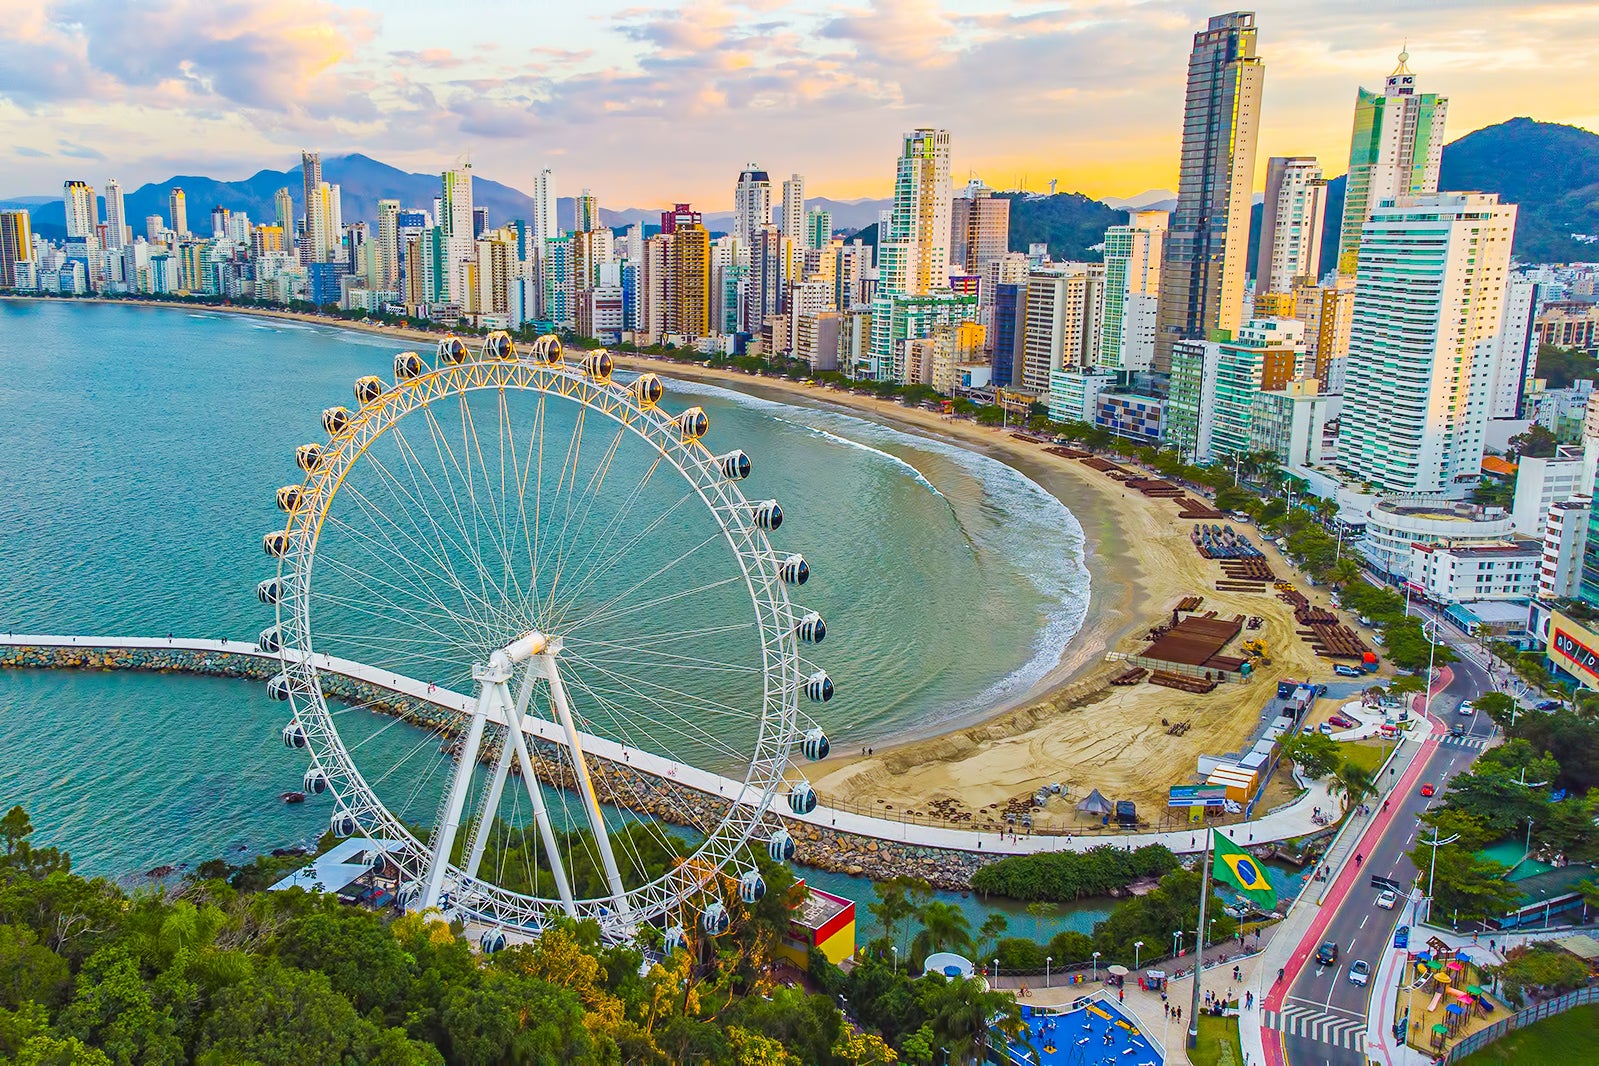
<point>1466,708</point>
<point>1359,972</point>
<point>1388,899</point>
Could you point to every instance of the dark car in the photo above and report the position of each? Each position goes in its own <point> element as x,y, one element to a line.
<point>1327,954</point>
<point>1549,705</point>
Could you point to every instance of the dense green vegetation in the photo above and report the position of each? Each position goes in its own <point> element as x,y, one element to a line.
<point>1067,875</point>
<point>1070,223</point>
<point>1542,786</point>
<point>207,973</point>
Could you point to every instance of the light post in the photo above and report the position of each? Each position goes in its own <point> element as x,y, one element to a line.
<point>1432,652</point>
<point>1047,960</point>
<point>1096,965</point>
<point>996,973</point>
<point>895,949</point>
<point>1210,932</point>
<point>1176,943</point>
<point>1432,871</point>
<point>1138,945</point>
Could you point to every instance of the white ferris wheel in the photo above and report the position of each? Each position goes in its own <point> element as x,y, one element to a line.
<point>593,611</point>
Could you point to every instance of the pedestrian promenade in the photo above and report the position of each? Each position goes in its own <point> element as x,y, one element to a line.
<point>1294,819</point>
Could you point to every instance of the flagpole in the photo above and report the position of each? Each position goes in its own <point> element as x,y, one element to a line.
<point>1199,938</point>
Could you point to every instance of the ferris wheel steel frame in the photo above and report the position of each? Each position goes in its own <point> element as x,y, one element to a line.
<point>748,812</point>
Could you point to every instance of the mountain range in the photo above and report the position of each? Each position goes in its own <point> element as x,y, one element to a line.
<point>1550,171</point>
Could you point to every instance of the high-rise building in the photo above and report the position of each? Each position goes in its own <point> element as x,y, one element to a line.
<point>480,221</point>
<point>764,286</point>
<point>1061,324</point>
<point>913,256</point>
<point>178,210</point>
<point>691,281</point>
<point>818,228</point>
<point>282,208</point>
<point>455,219</point>
<point>1132,291</point>
<point>386,256</point>
<point>1327,312</point>
<point>1429,301</point>
<point>979,225</point>
<point>794,209</point>
<point>545,225</point>
<point>1266,356</point>
<point>154,227</point>
<point>16,245</point>
<point>586,212</point>
<point>117,233</point>
<point>82,210</point>
<point>1395,150</point>
<point>1290,223</point>
<point>317,246</point>
<point>1205,258</point>
<point>752,203</point>
<point>1516,350</point>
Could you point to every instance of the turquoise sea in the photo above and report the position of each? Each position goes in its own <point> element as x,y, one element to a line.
<point>142,448</point>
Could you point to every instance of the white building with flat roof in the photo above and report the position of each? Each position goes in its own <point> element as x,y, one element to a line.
<point>1450,573</point>
<point>1429,301</point>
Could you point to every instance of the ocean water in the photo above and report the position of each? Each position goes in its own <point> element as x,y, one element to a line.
<point>142,449</point>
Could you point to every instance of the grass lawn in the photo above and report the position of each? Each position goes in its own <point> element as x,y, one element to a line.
<point>1365,753</point>
<point>1569,1037</point>
<point>1218,1043</point>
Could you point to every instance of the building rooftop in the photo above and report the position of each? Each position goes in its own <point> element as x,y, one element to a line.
<point>819,908</point>
<point>1492,464</point>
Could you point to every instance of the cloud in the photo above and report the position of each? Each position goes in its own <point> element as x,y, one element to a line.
<point>78,151</point>
<point>29,153</point>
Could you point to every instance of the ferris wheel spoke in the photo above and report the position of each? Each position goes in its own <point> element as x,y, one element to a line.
<point>603,610</point>
<point>396,554</point>
<point>699,702</point>
<point>499,536</point>
<point>616,612</point>
<point>568,482</point>
<point>591,492</point>
<point>634,687</point>
<point>678,791</point>
<point>386,611</point>
<point>670,637</point>
<point>468,546</point>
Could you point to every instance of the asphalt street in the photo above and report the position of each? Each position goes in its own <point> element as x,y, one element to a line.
<point>1323,1015</point>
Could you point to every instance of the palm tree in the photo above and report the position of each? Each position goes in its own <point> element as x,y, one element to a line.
<point>1040,910</point>
<point>1354,781</point>
<point>992,929</point>
<point>944,928</point>
<point>1344,572</point>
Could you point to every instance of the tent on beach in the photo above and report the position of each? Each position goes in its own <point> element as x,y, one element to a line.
<point>1094,803</point>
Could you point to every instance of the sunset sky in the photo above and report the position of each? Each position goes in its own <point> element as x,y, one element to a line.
<point>648,102</point>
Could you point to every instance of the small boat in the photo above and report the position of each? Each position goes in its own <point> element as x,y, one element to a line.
<point>292,797</point>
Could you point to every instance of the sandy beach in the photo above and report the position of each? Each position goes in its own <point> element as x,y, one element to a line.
<point>1071,727</point>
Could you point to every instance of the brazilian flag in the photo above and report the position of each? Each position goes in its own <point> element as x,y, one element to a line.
<point>1235,866</point>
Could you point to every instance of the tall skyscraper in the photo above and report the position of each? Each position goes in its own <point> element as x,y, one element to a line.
<point>979,227</point>
<point>480,221</point>
<point>455,220</point>
<point>545,225</point>
<point>178,209</point>
<point>818,228</point>
<point>116,221</point>
<point>752,203</point>
<point>386,257</point>
<point>83,213</point>
<point>1429,299</point>
<point>1132,291</point>
<point>586,212</point>
<point>1290,223</point>
<point>1205,260</point>
<point>16,245</point>
<point>794,209</point>
<point>315,248</point>
<point>1395,150</point>
<point>913,255</point>
<point>282,208</point>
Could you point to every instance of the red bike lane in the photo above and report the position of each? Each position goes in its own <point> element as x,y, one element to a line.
<point>1348,875</point>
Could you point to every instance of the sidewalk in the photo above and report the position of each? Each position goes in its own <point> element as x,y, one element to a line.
<point>1310,915</point>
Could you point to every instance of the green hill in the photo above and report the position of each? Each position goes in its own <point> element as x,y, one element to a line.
<point>1072,224</point>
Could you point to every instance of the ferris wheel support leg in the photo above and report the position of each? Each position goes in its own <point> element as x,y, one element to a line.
<point>445,833</point>
<point>491,804</point>
<point>585,788</point>
<point>535,793</point>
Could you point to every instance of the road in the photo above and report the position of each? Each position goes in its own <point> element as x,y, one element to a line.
<point>1322,1016</point>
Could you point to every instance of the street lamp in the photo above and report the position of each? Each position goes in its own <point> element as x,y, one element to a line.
<point>1047,960</point>
<point>1432,652</point>
<point>1434,844</point>
<point>1096,965</point>
<point>1210,932</point>
<point>1138,946</point>
<point>1176,943</point>
<point>996,973</point>
<point>895,949</point>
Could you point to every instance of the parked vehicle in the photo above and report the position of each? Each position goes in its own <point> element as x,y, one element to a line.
<point>1549,705</point>
<point>1365,620</point>
<point>1343,721</point>
<point>1343,670</point>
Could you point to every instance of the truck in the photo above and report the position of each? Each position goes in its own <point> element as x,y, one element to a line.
<point>1126,812</point>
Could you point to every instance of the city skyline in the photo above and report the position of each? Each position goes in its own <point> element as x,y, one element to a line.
<point>1088,95</point>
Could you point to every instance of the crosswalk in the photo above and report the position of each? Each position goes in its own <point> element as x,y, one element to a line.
<point>1471,743</point>
<point>1339,1030</point>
